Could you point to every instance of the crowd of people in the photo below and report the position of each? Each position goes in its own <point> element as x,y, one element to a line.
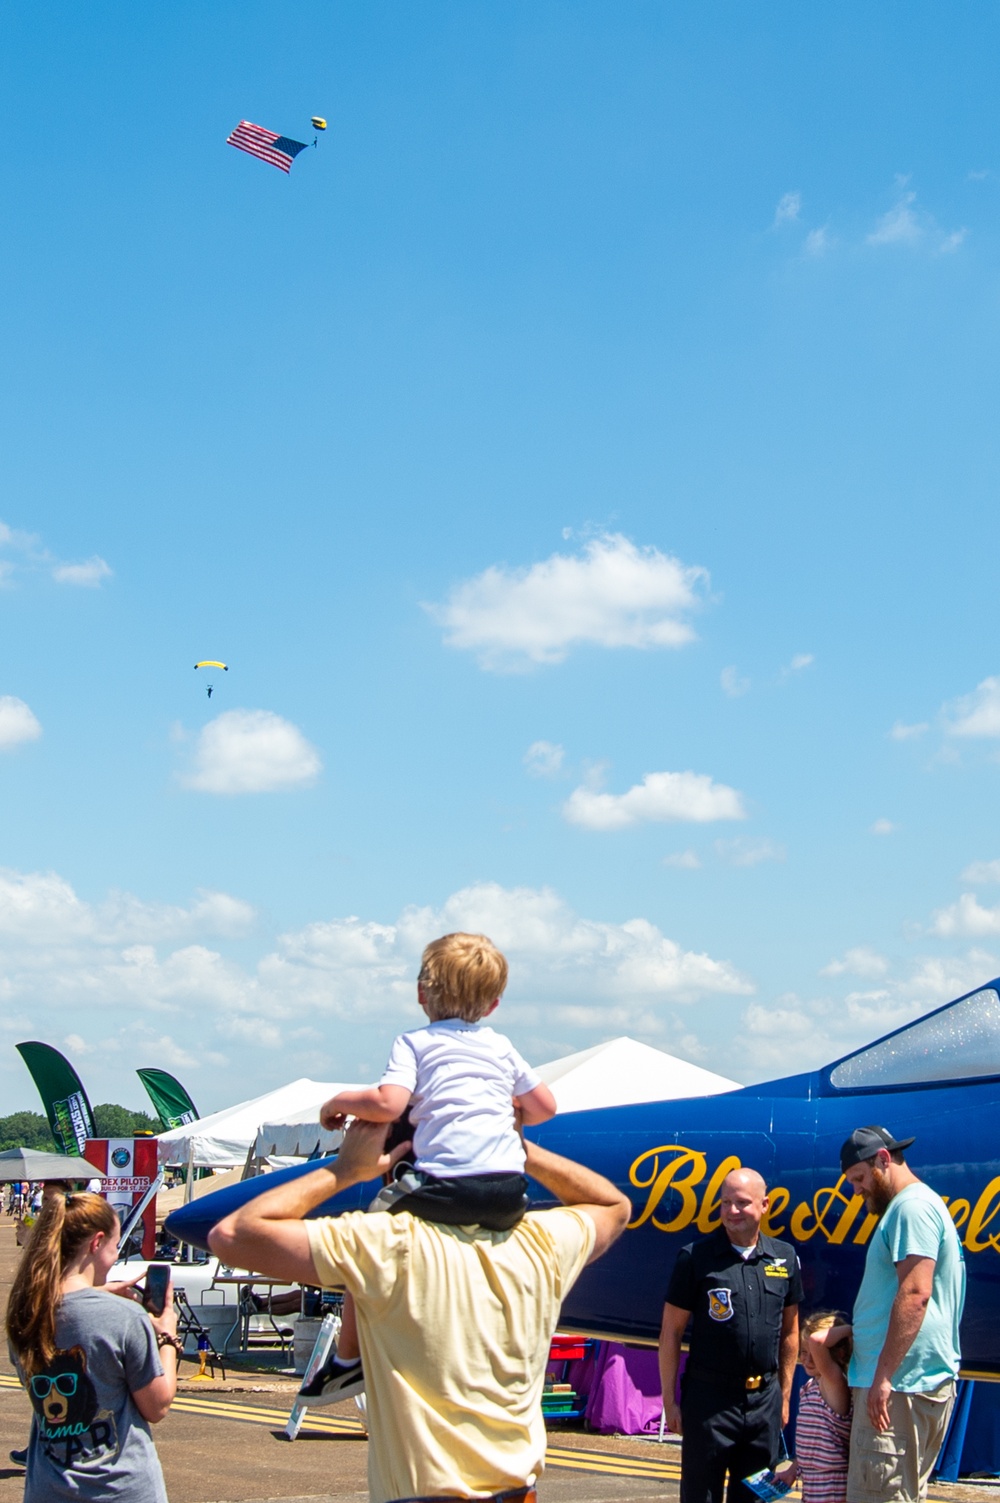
<point>455,1290</point>
<point>23,1199</point>
<point>880,1389</point>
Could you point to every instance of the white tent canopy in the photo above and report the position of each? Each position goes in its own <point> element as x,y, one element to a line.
<point>623,1072</point>
<point>225,1138</point>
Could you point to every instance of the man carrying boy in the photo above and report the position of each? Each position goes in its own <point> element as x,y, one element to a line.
<point>460,1083</point>
<point>454,1322</point>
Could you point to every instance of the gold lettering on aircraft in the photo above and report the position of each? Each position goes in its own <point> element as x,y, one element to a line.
<point>983,1212</point>
<point>677,1175</point>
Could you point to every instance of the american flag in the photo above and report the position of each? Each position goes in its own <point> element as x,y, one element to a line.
<point>280,151</point>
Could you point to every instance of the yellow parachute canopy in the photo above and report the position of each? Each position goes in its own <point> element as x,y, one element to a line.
<point>318,122</point>
<point>212,663</point>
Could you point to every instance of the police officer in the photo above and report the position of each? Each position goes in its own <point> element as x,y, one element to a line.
<point>741,1291</point>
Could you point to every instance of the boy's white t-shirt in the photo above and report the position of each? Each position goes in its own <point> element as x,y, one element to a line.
<point>462,1077</point>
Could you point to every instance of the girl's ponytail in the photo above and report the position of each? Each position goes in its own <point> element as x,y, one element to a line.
<point>64,1224</point>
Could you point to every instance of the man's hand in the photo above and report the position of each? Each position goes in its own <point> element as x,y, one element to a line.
<point>362,1154</point>
<point>331,1120</point>
<point>268,1234</point>
<point>878,1404</point>
<point>672,1415</point>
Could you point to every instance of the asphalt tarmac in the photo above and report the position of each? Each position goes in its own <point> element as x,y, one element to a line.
<point>224,1443</point>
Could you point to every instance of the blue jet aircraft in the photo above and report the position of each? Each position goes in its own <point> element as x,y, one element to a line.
<point>937,1079</point>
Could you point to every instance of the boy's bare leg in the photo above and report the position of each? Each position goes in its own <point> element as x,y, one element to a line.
<point>348,1349</point>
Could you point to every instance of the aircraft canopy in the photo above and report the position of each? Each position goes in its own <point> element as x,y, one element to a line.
<point>957,1042</point>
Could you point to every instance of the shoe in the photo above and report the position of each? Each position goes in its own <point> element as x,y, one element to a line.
<point>333,1383</point>
<point>19,1458</point>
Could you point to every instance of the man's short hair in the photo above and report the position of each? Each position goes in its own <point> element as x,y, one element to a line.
<point>461,975</point>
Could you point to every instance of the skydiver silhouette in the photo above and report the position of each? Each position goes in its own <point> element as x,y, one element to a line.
<point>208,690</point>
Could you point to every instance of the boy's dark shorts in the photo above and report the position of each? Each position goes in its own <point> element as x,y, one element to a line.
<point>494,1201</point>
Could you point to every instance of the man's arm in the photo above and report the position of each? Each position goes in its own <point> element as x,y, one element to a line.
<point>671,1336</point>
<point>788,1355</point>
<point>268,1234</point>
<point>582,1190</point>
<point>916,1280</point>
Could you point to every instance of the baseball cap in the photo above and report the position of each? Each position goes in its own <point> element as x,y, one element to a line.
<point>865,1142</point>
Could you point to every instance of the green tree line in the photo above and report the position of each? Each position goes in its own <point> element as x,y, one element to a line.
<point>31,1130</point>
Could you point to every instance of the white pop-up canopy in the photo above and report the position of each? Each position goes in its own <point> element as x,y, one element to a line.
<point>225,1138</point>
<point>623,1072</point>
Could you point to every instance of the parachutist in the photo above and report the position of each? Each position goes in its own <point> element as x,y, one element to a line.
<point>208,690</point>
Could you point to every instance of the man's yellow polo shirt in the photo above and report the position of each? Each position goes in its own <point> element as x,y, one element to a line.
<point>455,1325</point>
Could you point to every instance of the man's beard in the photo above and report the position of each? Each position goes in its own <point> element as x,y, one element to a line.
<point>879,1196</point>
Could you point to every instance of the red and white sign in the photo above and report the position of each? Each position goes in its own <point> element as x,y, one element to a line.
<point>128,1168</point>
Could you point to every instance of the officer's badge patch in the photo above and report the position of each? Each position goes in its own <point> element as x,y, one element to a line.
<point>776,1268</point>
<point>720,1304</point>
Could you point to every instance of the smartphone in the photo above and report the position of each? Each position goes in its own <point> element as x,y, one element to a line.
<point>154,1295</point>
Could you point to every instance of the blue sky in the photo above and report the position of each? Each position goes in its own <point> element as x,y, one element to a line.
<point>614,382</point>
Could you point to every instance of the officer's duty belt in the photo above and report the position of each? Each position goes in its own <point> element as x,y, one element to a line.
<point>752,1383</point>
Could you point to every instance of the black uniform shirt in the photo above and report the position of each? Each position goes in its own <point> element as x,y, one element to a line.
<point>736,1304</point>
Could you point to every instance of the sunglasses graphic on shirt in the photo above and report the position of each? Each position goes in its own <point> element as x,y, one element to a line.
<point>64,1383</point>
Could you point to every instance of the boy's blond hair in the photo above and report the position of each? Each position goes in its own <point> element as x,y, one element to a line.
<point>822,1320</point>
<point>461,975</point>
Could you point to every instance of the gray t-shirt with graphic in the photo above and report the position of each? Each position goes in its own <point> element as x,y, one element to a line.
<point>88,1440</point>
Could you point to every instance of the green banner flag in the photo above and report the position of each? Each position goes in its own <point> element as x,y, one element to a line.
<point>174,1106</point>
<point>63,1097</point>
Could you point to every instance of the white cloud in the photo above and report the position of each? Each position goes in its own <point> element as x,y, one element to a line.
<point>748,852</point>
<point>817,242</point>
<point>906,224</point>
<point>975,714</point>
<point>252,751</point>
<point>543,759</point>
<point>952,242</point>
<point>277,1014</point>
<point>613,594</point>
<point>883,827</point>
<point>17,722</point>
<point>967,916</point>
<point>900,225</point>
<point>40,906</point>
<point>901,732</point>
<point>688,796</point>
<point>799,661</point>
<point>788,210</point>
<point>860,961</point>
<point>732,683</point>
<point>683,860</point>
<point>793,1033</point>
<point>31,556</point>
<point>982,871</point>
<point>88,574</point>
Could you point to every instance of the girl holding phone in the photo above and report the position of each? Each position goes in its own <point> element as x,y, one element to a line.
<point>98,1370</point>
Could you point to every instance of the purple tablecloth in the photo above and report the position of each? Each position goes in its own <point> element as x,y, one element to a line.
<point>625,1390</point>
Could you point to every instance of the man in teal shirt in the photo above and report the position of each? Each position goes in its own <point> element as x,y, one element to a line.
<point>906,1318</point>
